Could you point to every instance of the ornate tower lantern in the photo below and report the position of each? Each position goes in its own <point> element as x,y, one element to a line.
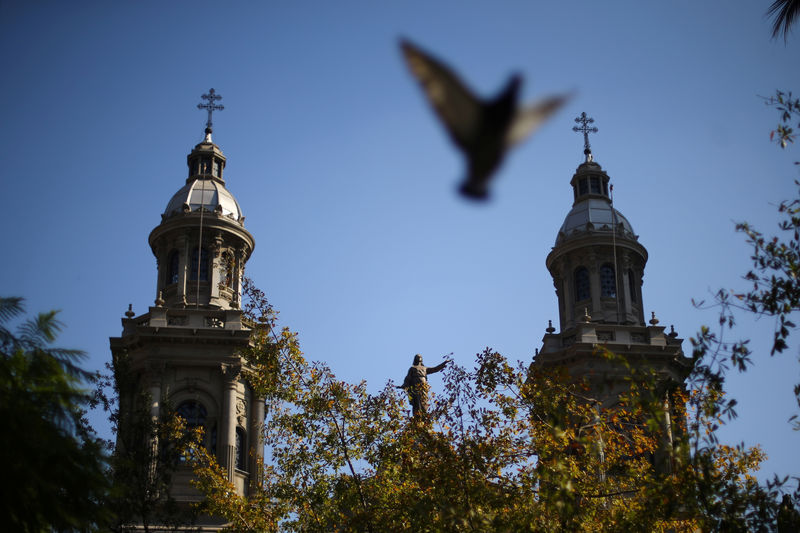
<point>185,351</point>
<point>597,265</point>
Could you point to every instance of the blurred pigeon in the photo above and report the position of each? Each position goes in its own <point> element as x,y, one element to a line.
<point>483,130</point>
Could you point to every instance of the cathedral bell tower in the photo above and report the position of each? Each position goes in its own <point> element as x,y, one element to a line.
<point>185,350</point>
<point>597,265</point>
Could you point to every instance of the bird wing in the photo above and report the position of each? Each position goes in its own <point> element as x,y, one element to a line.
<point>531,117</point>
<point>455,104</point>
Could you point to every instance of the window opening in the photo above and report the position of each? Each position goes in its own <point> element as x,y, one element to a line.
<point>608,285</point>
<point>240,448</point>
<point>193,412</point>
<point>595,183</point>
<point>203,265</point>
<point>172,269</point>
<point>582,286</point>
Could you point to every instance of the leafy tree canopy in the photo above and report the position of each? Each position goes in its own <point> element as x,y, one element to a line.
<point>506,447</point>
<point>54,474</point>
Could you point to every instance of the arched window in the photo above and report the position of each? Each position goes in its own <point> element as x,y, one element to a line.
<point>582,287</point>
<point>203,265</point>
<point>608,283</point>
<point>632,285</point>
<point>194,413</point>
<point>173,263</point>
<point>241,440</point>
<point>594,183</point>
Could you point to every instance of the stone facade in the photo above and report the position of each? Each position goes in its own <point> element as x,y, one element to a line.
<point>186,349</point>
<point>597,266</point>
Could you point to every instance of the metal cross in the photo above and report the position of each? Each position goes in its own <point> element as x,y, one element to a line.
<point>210,106</point>
<point>584,121</point>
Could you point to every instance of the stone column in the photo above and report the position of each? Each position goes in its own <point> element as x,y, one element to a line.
<point>255,427</point>
<point>236,279</point>
<point>182,246</point>
<point>594,285</point>
<point>161,261</point>
<point>153,375</point>
<point>227,445</point>
<point>567,299</point>
<point>626,284</point>
<point>637,288</point>
<point>558,283</point>
<point>214,278</point>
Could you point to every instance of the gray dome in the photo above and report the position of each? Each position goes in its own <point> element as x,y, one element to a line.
<point>213,195</point>
<point>593,215</point>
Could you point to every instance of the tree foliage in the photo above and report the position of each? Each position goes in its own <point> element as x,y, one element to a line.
<point>512,447</point>
<point>505,447</point>
<point>54,476</point>
<point>146,455</point>
<point>775,287</point>
<point>789,109</point>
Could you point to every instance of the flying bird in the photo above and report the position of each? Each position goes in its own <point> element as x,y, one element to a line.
<point>483,130</point>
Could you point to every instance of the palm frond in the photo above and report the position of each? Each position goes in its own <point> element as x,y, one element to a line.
<point>10,307</point>
<point>69,358</point>
<point>39,331</point>
<point>785,13</point>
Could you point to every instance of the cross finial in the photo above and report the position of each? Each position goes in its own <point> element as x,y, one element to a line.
<point>210,106</point>
<point>584,128</point>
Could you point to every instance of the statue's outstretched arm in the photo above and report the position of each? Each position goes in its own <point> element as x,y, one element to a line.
<point>434,369</point>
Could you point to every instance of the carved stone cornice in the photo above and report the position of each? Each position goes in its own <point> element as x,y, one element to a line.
<point>231,371</point>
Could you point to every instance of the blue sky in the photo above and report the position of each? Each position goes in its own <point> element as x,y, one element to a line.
<point>348,181</point>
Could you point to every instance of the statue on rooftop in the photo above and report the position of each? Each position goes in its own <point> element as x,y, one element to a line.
<point>416,384</point>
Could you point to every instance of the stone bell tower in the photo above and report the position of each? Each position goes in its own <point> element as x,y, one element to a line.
<point>597,265</point>
<point>185,350</point>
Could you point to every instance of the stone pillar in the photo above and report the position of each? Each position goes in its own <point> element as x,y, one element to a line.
<point>558,283</point>
<point>594,284</point>
<point>161,274</point>
<point>626,284</point>
<point>216,267</point>
<point>568,297</point>
<point>182,246</point>
<point>255,427</point>
<point>153,375</point>
<point>236,279</point>
<point>227,446</point>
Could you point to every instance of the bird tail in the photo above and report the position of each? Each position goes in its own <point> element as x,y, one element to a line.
<point>474,190</point>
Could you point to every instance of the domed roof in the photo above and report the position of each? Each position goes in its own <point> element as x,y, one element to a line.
<point>209,193</point>
<point>593,215</point>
